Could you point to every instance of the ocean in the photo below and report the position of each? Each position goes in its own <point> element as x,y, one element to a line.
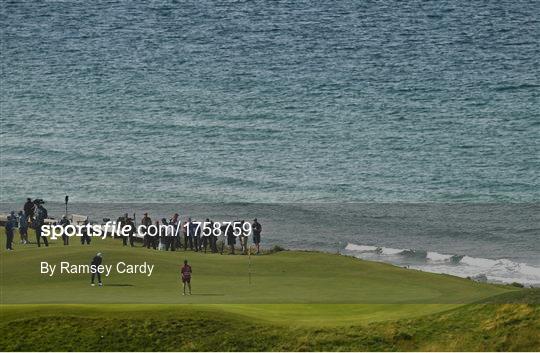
<point>284,103</point>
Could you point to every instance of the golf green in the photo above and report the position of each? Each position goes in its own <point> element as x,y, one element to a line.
<point>287,277</point>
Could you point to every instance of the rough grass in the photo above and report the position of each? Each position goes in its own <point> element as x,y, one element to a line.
<point>473,327</point>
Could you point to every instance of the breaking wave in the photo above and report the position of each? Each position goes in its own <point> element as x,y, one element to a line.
<point>481,269</point>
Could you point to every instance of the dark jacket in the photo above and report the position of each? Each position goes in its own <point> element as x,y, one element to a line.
<point>29,208</point>
<point>11,224</point>
<point>97,260</point>
<point>42,214</point>
<point>64,222</point>
<point>257,228</point>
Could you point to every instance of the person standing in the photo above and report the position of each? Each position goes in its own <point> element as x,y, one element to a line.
<point>196,237</point>
<point>85,237</point>
<point>257,230</point>
<point>23,227</point>
<point>158,239</point>
<point>146,222</point>
<point>65,222</point>
<point>166,238</point>
<point>96,261</point>
<point>186,277</point>
<point>154,240</point>
<point>131,231</point>
<point>244,241</point>
<point>189,232</point>
<point>231,240</point>
<point>175,240</point>
<point>29,209</point>
<point>185,232</point>
<point>122,221</point>
<point>213,239</point>
<point>10,229</point>
<point>205,237</point>
<point>39,221</point>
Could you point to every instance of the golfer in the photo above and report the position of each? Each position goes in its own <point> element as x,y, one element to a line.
<point>186,276</point>
<point>96,261</point>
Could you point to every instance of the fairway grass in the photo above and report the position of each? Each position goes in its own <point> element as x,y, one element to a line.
<point>287,277</point>
<point>294,301</point>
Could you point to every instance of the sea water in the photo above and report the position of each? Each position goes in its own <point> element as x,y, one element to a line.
<point>270,101</point>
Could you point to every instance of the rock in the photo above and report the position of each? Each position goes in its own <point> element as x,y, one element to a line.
<point>480,278</point>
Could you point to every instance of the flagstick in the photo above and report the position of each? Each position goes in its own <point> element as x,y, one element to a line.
<point>249,264</point>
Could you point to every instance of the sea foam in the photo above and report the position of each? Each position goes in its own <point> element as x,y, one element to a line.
<point>495,270</point>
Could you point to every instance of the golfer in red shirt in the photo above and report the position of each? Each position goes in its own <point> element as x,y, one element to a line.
<point>186,276</point>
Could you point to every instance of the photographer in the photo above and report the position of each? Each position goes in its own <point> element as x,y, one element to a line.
<point>29,209</point>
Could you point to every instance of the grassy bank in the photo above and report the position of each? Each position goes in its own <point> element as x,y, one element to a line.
<point>473,327</point>
<point>294,301</point>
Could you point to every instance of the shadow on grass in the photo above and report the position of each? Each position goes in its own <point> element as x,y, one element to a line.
<point>207,295</point>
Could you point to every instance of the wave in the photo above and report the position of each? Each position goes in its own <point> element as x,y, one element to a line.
<point>435,256</point>
<point>492,270</point>
<point>410,253</point>
<point>373,249</point>
<point>366,248</point>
